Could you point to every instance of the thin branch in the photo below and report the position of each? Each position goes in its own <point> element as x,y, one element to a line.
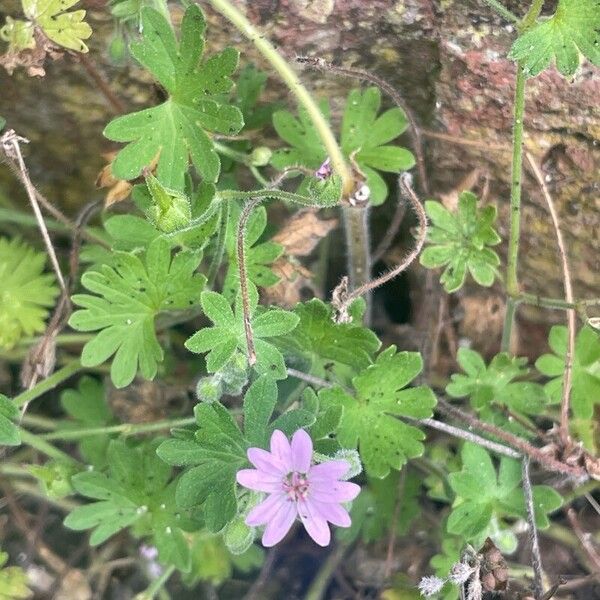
<point>584,539</point>
<point>10,142</point>
<point>243,272</point>
<point>547,461</point>
<point>344,299</point>
<point>468,436</point>
<point>415,130</point>
<point>536,556</point>
<point>394,525</point>
<point>503,11</point>
<point>101,83</point>
<point>316,381</point>
<point>392,230</point>
<point>563,429</point>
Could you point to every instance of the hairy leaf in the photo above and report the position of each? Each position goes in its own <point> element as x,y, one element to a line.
<point>369,418</point>
<point>128,296</point>
<point>460,241</point>
<point>177,129</point>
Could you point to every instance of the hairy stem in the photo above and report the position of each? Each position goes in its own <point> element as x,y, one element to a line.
<point>502,11</point>
<point>124,429</point>
<point>563,430</point>
<point>512,283</point>
<point>241,258</point>
<point>290,78</point>
<point>157,585</point>
<point>36,442</point>
<point>47,384</point>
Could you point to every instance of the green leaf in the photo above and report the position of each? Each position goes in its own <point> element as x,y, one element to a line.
<point>248,90</point>
<point>9,432</point>
<point>325,348</point>
<point>218,451</point>
<point>572,30</point>
<point>259,256</point>
<point>177,129</point>
<point>128,296</point>
<point>369,418</point>
<point>88,407</point>
<point>494,384</point>
<point>67,29</point>
<point>585,386</point>
<point>228,334</point>
<point>364,137</point>
<point>134,493</point>
<point>19,35</point>
<point>27,292</point>
<point>170,210</point>
<point>13,581</point>
<point>459,242</point>
<point>482,494</point>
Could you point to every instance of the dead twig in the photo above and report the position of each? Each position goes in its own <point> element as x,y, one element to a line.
<point>10,143</point>
<point>563,429</point>
<point>584,538</point>
<point>536,556</point>
<point>101,83</point>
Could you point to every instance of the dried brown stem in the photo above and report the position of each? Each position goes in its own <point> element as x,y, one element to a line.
<point>539,456</point>
<point>584,538</point>
<point>243,272</point>
<point>10,143</point>
<point>536,556</point>
<point>415,131</point>
<point>101,83</point>
<point>563,428</point>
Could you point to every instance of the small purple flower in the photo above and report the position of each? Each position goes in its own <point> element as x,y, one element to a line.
<point>324,171</point>
<point>296,489</point>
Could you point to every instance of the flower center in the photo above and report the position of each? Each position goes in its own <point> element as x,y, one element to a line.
<point>296,485</point>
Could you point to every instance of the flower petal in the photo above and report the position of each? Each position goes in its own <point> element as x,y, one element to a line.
<point>334,491</point>
<point>264,512</point>
<point>302,450</point>
<point>280,524</point>
<point>315,525</point>
<point>259,480</point>
<point>267,462</point>
<point>332,469</point>
<point>332,512</point>
<point>281,448</point>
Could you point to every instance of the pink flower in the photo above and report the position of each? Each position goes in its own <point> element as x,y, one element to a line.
<point>324,171</point>
<point>296,489</point>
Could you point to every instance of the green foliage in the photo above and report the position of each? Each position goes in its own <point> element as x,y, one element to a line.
<point>217,450</point>
<point>368,419</point>
<point>13,581</point>
<point>325,348</point>
<point>228,334</point>
<point>128,297</point>
<point>249,88</point>
<point>493,384</point>
<point>170,210</point>
<point>364,136</point>
<point>480,493</point>
<point>585,386</point>
<point>66,29</point>
<point>258,255</point>
<point>9,432</point>
<point>54,477</point>
<point>136,492</point>
<point>177,128</point>
<point>574,29</point>
<point>459,241</point>
<point>27,292</point>
<point>87,406</point>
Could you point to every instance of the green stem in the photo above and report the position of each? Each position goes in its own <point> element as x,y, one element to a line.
<point>124,429</point>
<point>156,585</point>
<point>532,14</point>
<point>512,282</point>
<point>33,490</point>
<point>502,11</point>
<point>36,442</point>
<point>47,384</point>
<point>509,316</point>
<point>290,78</point>
<point>40,422</point>
<point>318,587</point>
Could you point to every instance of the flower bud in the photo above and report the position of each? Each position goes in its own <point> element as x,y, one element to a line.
<point>260,156</point>
<point>170,210</point>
